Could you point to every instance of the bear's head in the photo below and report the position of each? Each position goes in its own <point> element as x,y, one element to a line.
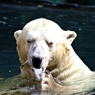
<point>44,44</point>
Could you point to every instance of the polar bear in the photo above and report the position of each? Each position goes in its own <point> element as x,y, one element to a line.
<point>47,50</point>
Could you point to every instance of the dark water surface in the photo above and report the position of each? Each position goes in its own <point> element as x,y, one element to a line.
<point>14,17</point>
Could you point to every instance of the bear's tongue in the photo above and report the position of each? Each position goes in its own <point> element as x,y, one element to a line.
<point>38,72</point>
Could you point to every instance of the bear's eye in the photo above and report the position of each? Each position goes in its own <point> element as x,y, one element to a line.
<point>30,41</point>
<point>49,43</point>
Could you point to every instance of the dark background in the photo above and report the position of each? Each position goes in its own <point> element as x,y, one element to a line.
<point>83,2</point>
<point>14,16</point>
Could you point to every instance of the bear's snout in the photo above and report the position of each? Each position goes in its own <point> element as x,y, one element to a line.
<point>36,61</point>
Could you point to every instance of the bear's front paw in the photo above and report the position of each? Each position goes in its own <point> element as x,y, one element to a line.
<point>48,82</point>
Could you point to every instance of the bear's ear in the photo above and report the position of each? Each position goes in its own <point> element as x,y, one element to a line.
<point>17,33</point>
<point>70,36</point>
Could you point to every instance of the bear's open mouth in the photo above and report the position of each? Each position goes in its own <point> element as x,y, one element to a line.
<point>38,65</point>
<point>36,61</point>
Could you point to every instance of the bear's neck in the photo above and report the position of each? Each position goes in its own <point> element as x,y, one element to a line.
<point>71,68</point>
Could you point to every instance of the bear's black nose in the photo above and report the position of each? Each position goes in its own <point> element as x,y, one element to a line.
<point>36,61</point>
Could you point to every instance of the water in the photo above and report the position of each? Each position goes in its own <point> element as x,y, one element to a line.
<point>14,17</point>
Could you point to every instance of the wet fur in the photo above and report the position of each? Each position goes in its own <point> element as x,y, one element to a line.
<point>66,66</point>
